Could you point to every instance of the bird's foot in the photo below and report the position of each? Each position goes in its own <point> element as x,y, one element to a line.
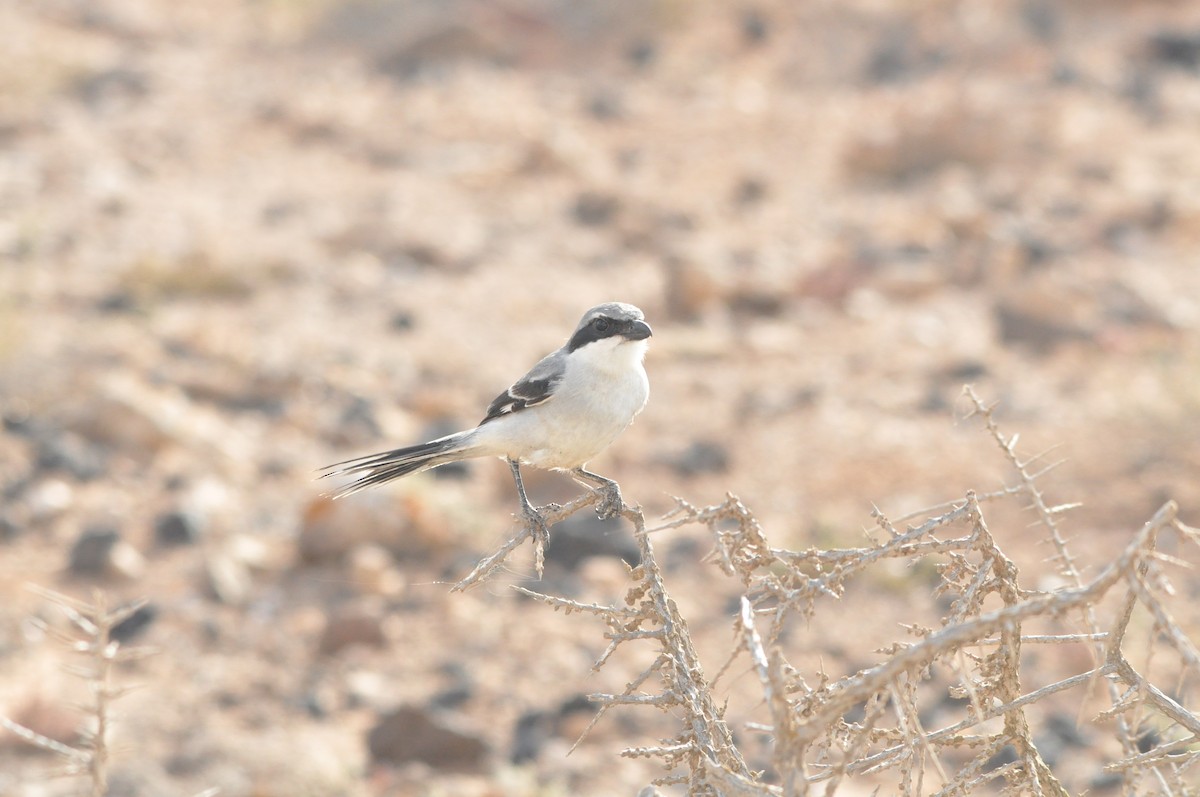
<point>611,504</point>
<point>535,524</point>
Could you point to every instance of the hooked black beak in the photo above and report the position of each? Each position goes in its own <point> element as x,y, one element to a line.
<point>638,330</point>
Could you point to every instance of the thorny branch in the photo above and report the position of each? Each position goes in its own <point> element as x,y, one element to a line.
<point>870,726</point>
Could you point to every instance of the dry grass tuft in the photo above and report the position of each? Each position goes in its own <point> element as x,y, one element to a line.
<point>92,624</point>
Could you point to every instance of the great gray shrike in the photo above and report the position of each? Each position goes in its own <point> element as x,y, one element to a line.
<point>565,411</point>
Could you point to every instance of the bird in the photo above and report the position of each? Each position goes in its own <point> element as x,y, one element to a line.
<point>566,410</point>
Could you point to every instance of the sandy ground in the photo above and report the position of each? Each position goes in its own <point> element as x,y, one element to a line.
<point>242,240</point>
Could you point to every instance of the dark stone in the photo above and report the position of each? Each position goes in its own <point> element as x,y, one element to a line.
<point>453,696</point>
<point>1005,755</point>
<point>70,453</point>
<point>1042,18</point>
<point>592,209</point>
<point>899,56</point>
<point>117,302</point>
<point>749,191</point>
<point>413,733</point>
<point>108,87</point>
<point>532,731</point>
<point>1035,329</point>
<point>91,553</point>
<point>966,371</point>
<point>358,420</point>
<point>583,536</point>
<point>352,626</point>
<point>134,625</point>
<point>1179,49</point>
<point>756,27</point>
<point>535,728</point>
<point>642,53</point>
<point>178,527</point>
<point>402,321</point>
<point>605,105</point>
<point>701,456</point>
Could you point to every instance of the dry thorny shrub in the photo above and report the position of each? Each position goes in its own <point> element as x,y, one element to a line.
<point>869,726</point>
<point>92,624</point>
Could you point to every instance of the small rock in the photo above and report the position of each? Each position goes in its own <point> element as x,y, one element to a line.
<point>900,55</point>
<point>594,209</point>
<point>134,625</point>
<point>583,536</point>
<point>100,551</point>
<point>642,53</point>
<point>50,498</point>
<point>575,714</point>
<point>605,105</point>
<point>119,301</point>
<point>755,27</point>
<point>366,688</point>
<point>702,456</point>
<point>749,191</point>
<point>412,733</point>
<point>1176,48</point>
<point>357,625</point>
<point>1041,325</point>
<point>358,420</point>
<point>1042,18</point>
<point>461,686</point>
<point>110,88</point>
<point>228,578</point>
<point>452,696</point>
<point>91,550</point>
<point>533,729</point>
<point>402,321</point>
<point>178,527</point>
<point>72,454</point>
<point>8,528</point>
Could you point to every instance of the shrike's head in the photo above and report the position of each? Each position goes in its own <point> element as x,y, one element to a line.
<point>610,326</point>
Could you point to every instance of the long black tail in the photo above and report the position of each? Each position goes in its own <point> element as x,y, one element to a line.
<point>383,467</point>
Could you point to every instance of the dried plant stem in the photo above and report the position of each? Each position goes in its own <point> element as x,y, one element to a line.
<point>93,623</point>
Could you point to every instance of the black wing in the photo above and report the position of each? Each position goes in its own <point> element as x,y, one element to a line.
<point>536,387</point>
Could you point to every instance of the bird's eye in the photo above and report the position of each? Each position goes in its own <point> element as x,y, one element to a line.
<point>601,324</point>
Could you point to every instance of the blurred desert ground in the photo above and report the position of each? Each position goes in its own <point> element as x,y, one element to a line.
<point>241,240</point>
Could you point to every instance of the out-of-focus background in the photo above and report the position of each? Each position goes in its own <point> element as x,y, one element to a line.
<point>242,239</point>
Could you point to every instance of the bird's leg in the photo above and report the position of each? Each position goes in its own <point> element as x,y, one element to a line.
<point>611,502</point>
<point>533,519</point>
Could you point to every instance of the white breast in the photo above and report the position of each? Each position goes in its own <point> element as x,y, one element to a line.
<point>602,390</point>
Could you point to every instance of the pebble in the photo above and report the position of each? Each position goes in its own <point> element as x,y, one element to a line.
<point>438,739</point>
<point>357,625</point>
<point>70,453</point>
<point>702,456</point>
<point>178,527</point>
<point>50,498</point>
<point>100,551</point>
<point>228,578</point>
<point>593,209</point>
<point>134,625</point>
<point>583,536</point>
<point>8,528</point>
